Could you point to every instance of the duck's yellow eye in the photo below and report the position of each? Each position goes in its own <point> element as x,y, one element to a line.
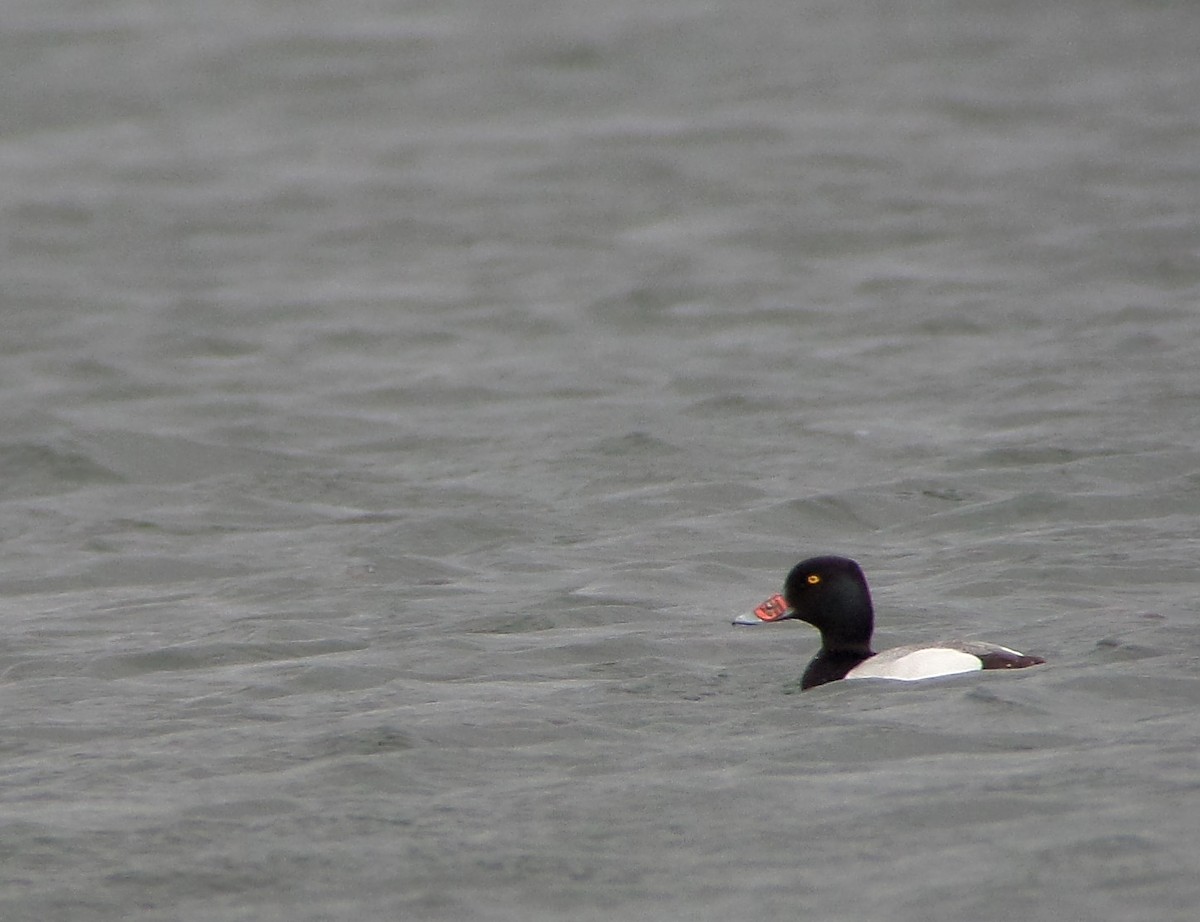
<point>813,579</point>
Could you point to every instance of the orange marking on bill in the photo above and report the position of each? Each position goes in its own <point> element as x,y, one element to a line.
<point>772,609</point>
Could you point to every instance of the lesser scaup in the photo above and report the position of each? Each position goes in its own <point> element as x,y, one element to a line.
<point>831,594</point>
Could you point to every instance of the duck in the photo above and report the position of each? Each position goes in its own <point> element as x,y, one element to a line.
<point>831,594</point>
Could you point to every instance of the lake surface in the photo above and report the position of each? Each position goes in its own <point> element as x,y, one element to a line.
<point>399,399</point>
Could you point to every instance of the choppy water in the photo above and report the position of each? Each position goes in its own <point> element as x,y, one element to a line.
<point>398,399</point>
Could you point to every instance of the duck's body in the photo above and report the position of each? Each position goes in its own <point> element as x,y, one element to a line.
<point>831,594</point>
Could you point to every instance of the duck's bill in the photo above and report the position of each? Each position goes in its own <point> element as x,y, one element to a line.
<point>773,609</point>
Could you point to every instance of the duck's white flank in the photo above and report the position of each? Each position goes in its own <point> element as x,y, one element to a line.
<point>908,664</point>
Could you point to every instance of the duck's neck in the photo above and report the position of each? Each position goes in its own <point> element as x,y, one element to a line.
<point>850,631</point>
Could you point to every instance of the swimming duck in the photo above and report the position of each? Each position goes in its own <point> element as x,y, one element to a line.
<point>831,594</point>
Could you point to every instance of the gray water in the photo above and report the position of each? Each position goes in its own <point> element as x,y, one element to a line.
<point>398,400</point>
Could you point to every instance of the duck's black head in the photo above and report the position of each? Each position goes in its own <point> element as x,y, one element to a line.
<point>831,594</point>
